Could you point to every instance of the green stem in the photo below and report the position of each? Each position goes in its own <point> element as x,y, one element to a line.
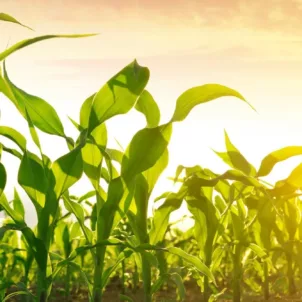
<point>123,278</point>
<point>98,272</point>
<point>290,275</point>
<point>146,275</point>
<point>266,282</point>
<point>67,283</point>
<point>42,285</point>
<point>237,273</point>
<point>135,278</point>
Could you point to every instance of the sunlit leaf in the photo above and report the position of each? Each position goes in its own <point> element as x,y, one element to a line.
<point>148,107</point>
<point>14,136</point>
<point>9,18</point>
<point>116,97</point>
<point>28,42</point>
<point>67,170</point>
<point>198,95</point>
<point>277,156</point>
<point>42,114</point>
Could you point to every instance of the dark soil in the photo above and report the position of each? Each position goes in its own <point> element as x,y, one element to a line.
<point>114,289</point>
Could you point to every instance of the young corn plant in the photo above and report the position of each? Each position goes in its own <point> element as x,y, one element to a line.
<point>43,181</point>
<point>140,165</point>
<point>271,205</point>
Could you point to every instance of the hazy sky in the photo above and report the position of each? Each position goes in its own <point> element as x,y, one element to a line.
<point>254,47</point>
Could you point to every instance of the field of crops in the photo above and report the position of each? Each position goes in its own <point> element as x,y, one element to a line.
<point>246,239</point>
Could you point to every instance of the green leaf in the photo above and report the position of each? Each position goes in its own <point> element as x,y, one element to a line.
<point>67,170</point>
<point>148,107</point>
<point>28,42</point>
<point>230,174</point>
<point>292,183</point>
<point>2,178</point>
<point>121,257</point>
<point>206,224</point>
<point>8,18</point>
<point>32,178</point>
<point>145,149</point>
<point>144,185</point>
<point>78,212</point>
<point>162,214</point>
<point>201,94</point>
<point>14,294</point>
<point>277,156</point>
<point>17,217</point>
<point>92,154</point>
<point>13,152</point>
<point>257,250</point>
<point>18,205</point>
<point>14,136</point>
<point>237,159</point>
<point>118,96</point>
<point>42,114</point>
<point>180,286</point>
<point>199,265</point>
<point>125,298</point>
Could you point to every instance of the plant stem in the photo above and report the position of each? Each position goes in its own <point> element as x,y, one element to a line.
<point>98,272</point>
<point>42,285</point>
<point>146,274</point>
<point>237,272</point>
<point>123,278</point>
<point>290,275</point>
<point>266,282</point>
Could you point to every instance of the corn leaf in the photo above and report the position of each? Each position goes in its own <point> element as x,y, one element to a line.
<point>28,42</point>
<point>14,136</point>
<point>162,215</point>
<point>18,205</point>
<point>145,149</point>
<point>78,212</point>
<point>67,170</point>
<point>2,178</point>
<point>32,178</point>
<point>149,108</point>
<point>42,114</point>
<point>9,18</point>
<point>199,265</point>
<point>198,95</point>
<point>277,156</point>
<point>116,97</point>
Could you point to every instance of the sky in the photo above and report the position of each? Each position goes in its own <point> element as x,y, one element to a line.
<point>252,46</point>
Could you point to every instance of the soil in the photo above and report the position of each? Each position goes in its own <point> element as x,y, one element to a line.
<point>193,294</point>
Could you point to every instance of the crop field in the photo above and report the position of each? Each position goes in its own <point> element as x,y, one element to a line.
<point>245,243</point>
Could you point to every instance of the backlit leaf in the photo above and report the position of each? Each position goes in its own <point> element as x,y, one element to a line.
<point>9,18</point>
<point>277,156</point>
<point>28,42</point>
<point>198,95</point>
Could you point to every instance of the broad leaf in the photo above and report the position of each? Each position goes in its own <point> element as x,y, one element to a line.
<point>277,156</point>
<point>42,115</point>
<point>118,96</point>
<point>67,170</point>
<point>32,178</point>
<point>198,95</point>
<point>145,149</point>
<point>198,264</point>
<point>14,136</point>
<point>148,107</point>
<point>162,215</point>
